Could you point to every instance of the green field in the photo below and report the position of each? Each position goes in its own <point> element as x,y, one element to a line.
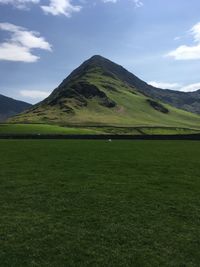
<point>95,130</point>
<point>98,203</point>
<point>43,129</point>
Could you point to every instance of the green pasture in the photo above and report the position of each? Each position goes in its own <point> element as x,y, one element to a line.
<point>98,203</point>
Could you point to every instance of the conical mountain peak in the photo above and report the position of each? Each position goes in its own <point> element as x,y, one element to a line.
<point>101,91</point>
<point>100,61</point>
<point>105,67</point>
<point>97,58</point>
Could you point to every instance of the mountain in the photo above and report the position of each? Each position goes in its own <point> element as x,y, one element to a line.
<point>10,107</point>
<point>189,101</point>
<point>100,92</point>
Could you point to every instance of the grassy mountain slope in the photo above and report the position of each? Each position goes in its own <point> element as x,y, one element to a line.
<point>99,93</point>
<point>10,107</point>
<point>189,101</point>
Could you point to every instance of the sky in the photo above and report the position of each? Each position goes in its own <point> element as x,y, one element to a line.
<point>42,41</point>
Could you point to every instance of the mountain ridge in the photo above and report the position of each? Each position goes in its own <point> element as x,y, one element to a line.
<point>10,107</point>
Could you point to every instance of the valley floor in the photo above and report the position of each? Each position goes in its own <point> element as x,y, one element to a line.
<point>97,203</point>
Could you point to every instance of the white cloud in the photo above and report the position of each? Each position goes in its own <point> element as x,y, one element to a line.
<point>185,52</point>
<point>176,86</point>
<point>14,52</point>
<point>165,85</point>
<point>111,1</point>
<point>191,87</point>
<point>54,7</point>
<point>177,38</point>
<point>195,31</point>
<point>61,7</point>
<point>138,3</point>
<point>20,4</point>
<point>20,44</point>
<point>34,94</point>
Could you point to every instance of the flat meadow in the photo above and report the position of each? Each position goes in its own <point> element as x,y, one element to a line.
<point>71,203</point>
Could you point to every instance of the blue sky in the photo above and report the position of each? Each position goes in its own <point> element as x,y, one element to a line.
<point>42,41</point>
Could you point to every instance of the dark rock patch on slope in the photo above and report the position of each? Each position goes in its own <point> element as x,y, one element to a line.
<point>157,106</point>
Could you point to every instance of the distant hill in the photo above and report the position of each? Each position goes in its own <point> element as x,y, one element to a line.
<point>10,107</point>
<point>189,101</point>
<point>100,92</point>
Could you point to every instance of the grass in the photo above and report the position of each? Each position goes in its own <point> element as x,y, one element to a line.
<point>43,129</point>
<point>90,130</point>
<point>94,203</point>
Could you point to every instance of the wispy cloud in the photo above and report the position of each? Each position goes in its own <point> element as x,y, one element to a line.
<point>34,94</point>
<point>110,1</point>
<point>165,85</point>
<point>21,43</point>
<point>138,3</point>
<point>53,7</point>
<point>191,87</point>
<point>176,86</point>
<point>61,7</point>
<point>185,52</point>
<point>20,4</point>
